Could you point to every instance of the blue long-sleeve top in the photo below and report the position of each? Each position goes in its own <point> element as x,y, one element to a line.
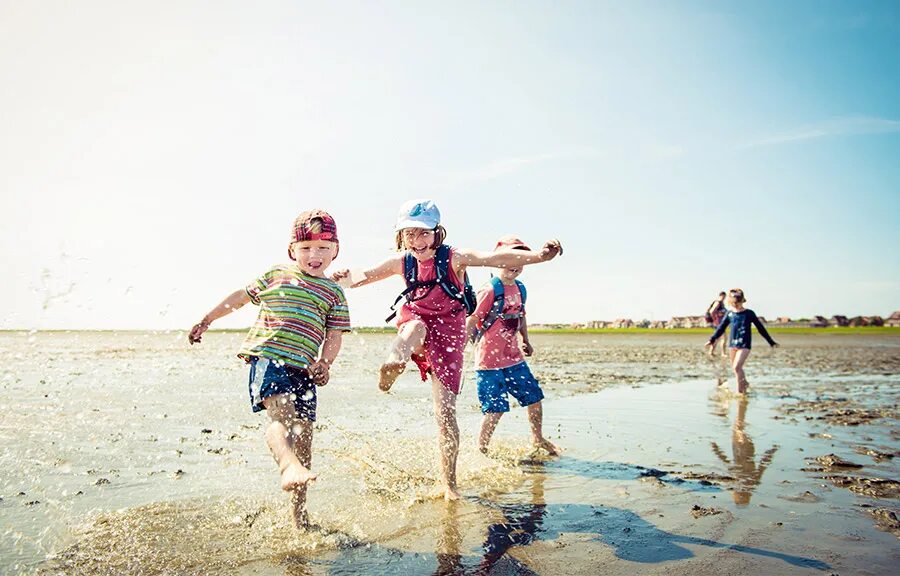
<point>740,328</point>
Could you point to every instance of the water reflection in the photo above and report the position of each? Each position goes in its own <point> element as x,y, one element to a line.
<point>742,463</point>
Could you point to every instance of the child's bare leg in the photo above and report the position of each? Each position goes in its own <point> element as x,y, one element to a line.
<point>491,419</point>
<point>536,419</point>
<point>410,338</point>
<point>448,435</point>
<point>281,438</point>
<point>303,434</point>
<point>738,357</point>
<point>724,341</point>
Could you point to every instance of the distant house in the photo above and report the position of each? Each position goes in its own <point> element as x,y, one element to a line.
<point>598,324</point>
<point>858,321</point>
<point>875,320</point>
<point>840,321</point>
<point>893,320</point>
<point>783,320</point>
<point>658,324</point>
<point>818,322</point>
<point>622,323</point>
<point>687,322</point>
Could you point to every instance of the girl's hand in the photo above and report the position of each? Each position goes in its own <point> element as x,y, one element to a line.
<point>708,345</point>
<point>551,249</point>
<point>197,331</point>
<point>527,348</point>
<point>775,344</point>
<point>318,370</point>
<point>340,275</point>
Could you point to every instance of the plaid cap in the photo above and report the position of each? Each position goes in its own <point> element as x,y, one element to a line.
<point>510,242</point>
<point>313,225</point>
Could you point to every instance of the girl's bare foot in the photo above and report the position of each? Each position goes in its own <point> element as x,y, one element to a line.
<point>294,476</point>
<point>550,447</point>
<point>390,371</point>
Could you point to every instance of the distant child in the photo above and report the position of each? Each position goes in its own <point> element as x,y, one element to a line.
<point>432,321</point>
<point>714,315</point>
<point>297,335</point>
<point>740,319</point>
<point>495,327</point>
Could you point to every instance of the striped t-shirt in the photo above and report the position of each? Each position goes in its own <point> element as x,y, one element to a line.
<point>295,310</point>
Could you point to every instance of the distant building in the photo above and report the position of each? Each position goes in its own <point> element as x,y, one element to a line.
<point>893,320</point>
<point>840,321</point>
<point>858,321</point>
<point>783,320</point>
<point>622,323</point>
<point>818,322</point>
<point>687,322</point>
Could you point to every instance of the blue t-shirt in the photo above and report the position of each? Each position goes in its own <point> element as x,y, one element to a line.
<point>740,328</point>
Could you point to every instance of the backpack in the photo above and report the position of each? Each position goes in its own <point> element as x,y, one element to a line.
<point>496,311</point>
<point>442,272</point>
<point>708,317</point>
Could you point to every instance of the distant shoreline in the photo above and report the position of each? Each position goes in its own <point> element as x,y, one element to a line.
<point>846,330</point>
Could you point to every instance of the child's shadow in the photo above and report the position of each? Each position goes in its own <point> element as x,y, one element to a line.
<point>619,471</point>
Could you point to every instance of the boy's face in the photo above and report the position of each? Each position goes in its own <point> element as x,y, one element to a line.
<point>507,275</point>
<point>420,242</point>
<point>314,256</point>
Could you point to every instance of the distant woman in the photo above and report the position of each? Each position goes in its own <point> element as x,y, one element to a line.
<point>714,315</point>
<point>740,319</point>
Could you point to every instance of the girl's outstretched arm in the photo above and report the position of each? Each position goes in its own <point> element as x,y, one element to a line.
<point>719,330</point>
<point>384,270</point>
<point>509,258</point>
<point>762,331</point>
<point>231,303</point>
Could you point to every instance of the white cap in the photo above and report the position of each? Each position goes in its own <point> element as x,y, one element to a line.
<point>418,214</point>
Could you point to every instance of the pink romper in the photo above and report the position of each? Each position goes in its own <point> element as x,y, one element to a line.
<point>445,322</point>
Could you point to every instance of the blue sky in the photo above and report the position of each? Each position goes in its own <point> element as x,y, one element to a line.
<point>156,153</point>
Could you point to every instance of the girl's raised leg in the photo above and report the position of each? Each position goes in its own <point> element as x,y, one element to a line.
<point>410,339</point>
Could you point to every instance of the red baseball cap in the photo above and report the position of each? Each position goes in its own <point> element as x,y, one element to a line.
<point>510,242</point>
<point>313,225</point>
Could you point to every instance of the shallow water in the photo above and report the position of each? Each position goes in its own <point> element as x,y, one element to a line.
<point>133,453</point>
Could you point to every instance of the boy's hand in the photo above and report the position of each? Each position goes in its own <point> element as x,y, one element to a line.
<point>527,348</point>
<point>319,372</point>
<point>197,331</point>
<point>551,249</point>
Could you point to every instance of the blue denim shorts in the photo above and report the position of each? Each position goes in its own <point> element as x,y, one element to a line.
<point>270,377</point>
<point>517,380</point>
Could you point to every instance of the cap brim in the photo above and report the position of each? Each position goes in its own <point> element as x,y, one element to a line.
<point>413,224</point>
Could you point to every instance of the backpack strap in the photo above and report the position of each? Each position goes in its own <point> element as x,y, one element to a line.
<point>497,305</point>
<point>410,271</point>
<point>524,294</point>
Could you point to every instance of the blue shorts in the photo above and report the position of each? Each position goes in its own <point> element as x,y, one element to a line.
<point>270,377</point>
<point>493,385</point>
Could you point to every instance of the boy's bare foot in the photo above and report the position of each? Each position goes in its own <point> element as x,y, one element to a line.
<point>547,445</point>
<point>451,494</point>
<point>483,448</point>
<point>390,371</point>
<point>294,476</point>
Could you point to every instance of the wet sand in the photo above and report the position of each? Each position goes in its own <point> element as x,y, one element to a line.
<point>132,453</point>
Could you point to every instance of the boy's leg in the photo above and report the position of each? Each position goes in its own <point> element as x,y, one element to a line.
<point>409,339</point>
<point>281,439</point>
<point>491,419</point>
<point>303,434</point>
<point>536,418</point>
<point>739,356</point>
<point>448,435</point>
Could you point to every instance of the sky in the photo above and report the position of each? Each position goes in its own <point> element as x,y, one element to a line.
<point>153,155</point>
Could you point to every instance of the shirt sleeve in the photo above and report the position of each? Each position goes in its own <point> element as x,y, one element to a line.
<point>726,320</point>
<point>485,301</point>
<point>761,329</point>
<point>339,316</point>
<point>257,286</point>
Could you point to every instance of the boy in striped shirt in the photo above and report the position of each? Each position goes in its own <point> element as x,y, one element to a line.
<point>296,337</point>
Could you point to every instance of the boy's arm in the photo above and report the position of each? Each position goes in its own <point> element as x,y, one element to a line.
<point>509,258</point>
<point>319,370</point>
<point>231,303</point>
<point>527,348</point>
<point>384,270</point>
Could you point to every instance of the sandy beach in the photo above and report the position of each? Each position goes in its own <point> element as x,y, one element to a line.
<point>131,453</point>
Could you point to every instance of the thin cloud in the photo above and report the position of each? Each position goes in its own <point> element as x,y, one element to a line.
<point>506,166</point>
<point>830,128</point>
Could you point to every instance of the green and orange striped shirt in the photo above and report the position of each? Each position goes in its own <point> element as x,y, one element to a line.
<point>295,310</point>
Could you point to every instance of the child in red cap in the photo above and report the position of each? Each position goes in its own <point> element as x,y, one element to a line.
<point>431,322</point>
<point>495,327</point>
<point>296,338</point>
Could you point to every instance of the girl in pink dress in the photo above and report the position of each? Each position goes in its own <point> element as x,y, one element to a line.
<point>431,324</point>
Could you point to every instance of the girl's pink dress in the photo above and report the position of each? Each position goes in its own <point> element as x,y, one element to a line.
<point>445,322</point>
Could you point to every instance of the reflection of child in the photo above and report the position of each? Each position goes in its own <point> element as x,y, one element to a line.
<point>740,319</point>
<point>296,338</point>
<point>431,322</point>
<point>744,463</point>
<point>498,321</point>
